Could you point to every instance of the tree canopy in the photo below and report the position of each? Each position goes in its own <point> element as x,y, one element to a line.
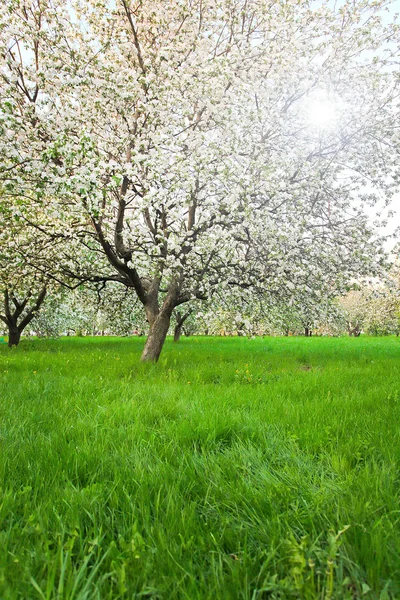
<point>171,147</point>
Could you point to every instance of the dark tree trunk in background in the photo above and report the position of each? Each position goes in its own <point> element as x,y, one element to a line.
<point>14,336</point>
<point>180,319</point>
<point>17,316</point>
<point>354,331</point>
<point>177,333</point>
<point>307,332</point>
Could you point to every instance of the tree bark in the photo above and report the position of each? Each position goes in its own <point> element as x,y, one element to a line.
<point>156,338</point>
<point>14,336</point>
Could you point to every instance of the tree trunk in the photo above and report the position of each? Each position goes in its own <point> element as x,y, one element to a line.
<point>177,332</point>
<point>14,336</point>
<point>180,319</point>
<point>306,332</point>
<point>354,331</point>
<point>156,338</point>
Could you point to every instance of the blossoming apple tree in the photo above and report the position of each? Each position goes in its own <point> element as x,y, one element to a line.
<point>22,289</point>
<point>170,146</point>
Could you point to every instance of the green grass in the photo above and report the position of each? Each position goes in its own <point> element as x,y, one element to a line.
<point>234,468</point>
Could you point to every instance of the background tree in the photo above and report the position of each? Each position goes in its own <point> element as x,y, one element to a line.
<point>22,288</point>
<point>181,320</point>
<point>111,310</point>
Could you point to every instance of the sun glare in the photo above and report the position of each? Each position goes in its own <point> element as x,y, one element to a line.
<point>322,112</point>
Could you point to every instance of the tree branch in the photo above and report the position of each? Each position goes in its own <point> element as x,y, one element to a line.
<point>32,312</point>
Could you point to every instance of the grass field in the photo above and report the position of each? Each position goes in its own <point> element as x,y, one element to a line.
<point>234,468</point>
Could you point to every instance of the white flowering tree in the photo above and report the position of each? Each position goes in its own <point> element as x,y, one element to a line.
<point>22,288</point>
<point>374,307</point>
<point>354,308</point>
<point>20,306</point>
<point>382,315</point>
<point>171,146</point>
<point>109,310</point>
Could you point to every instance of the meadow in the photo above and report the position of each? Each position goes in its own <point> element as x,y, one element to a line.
<point>234,468</point>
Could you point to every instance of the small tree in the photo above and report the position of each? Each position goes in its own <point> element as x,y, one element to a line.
<point>23,289</point>
<point>181,318</point>
<point>19,311</point>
